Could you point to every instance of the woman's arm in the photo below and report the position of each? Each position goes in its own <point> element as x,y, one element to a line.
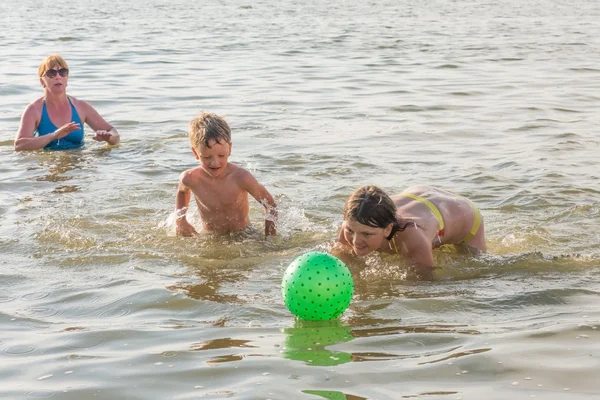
<point>105,132</point>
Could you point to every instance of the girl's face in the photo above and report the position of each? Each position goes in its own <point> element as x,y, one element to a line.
<point>363,238</point>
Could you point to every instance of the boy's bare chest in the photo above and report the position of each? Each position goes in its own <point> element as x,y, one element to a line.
<point>220,196</point>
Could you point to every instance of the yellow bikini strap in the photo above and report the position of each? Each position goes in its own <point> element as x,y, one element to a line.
<point>394,243</point>
<point>476,223</point>
<point>429,205</point>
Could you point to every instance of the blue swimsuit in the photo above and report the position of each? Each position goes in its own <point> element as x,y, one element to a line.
<point>72,141</point>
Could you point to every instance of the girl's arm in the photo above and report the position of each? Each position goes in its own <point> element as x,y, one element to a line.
<point>419,251</point>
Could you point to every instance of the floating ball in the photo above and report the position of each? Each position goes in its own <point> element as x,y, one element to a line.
<point>317,287</point>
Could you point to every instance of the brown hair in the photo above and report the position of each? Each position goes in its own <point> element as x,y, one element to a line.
<point>206,127</point>
<point>371,206</point>
<point>51,61</point>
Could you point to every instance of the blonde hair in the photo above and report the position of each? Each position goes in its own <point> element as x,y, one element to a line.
<point>51,61</point>
<point>206,127</point>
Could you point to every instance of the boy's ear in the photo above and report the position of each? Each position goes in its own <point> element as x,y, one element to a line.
<point>230,145</point>
<point>195,153</point>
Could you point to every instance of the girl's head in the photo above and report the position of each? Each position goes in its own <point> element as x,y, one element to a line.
<point>370,217</point>
<point>371,206</point>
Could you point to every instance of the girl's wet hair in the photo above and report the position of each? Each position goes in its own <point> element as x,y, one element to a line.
<point>371,206</point>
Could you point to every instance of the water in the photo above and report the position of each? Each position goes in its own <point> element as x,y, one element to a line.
<point>494,100</point>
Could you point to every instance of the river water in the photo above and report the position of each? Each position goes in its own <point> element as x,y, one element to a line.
<point>497,101</point>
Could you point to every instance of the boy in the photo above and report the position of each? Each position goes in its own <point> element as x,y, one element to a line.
<point>221,189</point>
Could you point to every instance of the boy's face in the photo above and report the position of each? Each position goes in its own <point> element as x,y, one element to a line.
<point>213,159</point>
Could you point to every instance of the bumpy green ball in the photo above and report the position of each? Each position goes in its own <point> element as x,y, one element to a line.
<point>317,287</point>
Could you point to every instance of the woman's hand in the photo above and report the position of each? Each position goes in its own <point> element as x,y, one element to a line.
<point>107,136</point>
<point>65,130</point>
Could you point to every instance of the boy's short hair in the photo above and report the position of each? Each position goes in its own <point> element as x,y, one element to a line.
<point>51,61</point>
<point>206,127</point>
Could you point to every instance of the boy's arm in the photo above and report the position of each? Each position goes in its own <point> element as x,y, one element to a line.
<point>182,200</point>
<point>262,195</point>
<point>419,251</point>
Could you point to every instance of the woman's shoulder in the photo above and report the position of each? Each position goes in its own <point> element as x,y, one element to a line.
<point>35,107</point>
<point>37,103</point>
<point>78,102</point>
<point>83,107</point>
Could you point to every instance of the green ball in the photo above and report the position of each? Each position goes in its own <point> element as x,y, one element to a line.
<point>317,287</point>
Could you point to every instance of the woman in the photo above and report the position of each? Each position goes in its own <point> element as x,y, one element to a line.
<point>411,223</point>
<point>55,121</point>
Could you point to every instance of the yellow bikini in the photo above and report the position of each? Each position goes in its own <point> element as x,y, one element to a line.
<point>476,223</point>
<point>440,219</point>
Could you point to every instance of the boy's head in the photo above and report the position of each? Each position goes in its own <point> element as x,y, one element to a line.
<point>208,129</point>
<point>210,137</point>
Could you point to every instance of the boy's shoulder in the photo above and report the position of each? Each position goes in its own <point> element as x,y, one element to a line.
<point>190,175</point>
<point>238,173</point>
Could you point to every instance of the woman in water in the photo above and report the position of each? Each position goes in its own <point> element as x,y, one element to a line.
<point>411,223</point>
<point>55,120</point>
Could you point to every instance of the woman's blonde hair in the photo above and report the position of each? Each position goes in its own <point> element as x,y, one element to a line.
<point>51,61</point>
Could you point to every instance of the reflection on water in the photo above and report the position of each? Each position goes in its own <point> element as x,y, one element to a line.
<point>459,354</point>
<point>207,284</point>
<point>307,341</point>
<point>59,163</point>
<point>223,343</point>
<point>333,395</point>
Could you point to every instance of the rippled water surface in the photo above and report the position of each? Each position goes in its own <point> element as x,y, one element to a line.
<point>497,101</point>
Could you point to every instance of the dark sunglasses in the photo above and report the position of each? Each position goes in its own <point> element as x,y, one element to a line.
<point>51,73</point>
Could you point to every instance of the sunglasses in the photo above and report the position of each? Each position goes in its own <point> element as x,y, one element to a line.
<point>51,73</point>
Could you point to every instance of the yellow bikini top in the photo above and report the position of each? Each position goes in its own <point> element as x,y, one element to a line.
<point>434,210</point>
